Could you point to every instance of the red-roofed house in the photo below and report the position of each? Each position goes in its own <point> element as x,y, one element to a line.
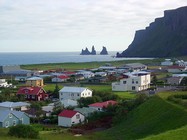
<point>67,118</point>
<point>100,105</point>
<point>60,78</point>
<point>176,69</point>
<point>33,93</point>
<point>69,73</point>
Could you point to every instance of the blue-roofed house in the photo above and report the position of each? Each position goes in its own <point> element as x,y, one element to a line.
<point>19,106</point>
<point>11,118</point>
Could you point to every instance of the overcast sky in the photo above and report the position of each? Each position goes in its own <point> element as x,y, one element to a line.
<point>70,25</point>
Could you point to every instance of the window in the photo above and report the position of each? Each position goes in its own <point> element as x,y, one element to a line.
<point>78,94</point>
<point>25,96</point>
<point>61,93</point>
<point>133,87</point>
<point>72,94</point>
<point>14,122</point>
<point>33,96</point>
<point>132,82</point>
<point>78,116</point>
<point>7,124</point>
<point>21,120</point>
<point>124,82</point>
<point>136,82</point>
<point>10,115</point>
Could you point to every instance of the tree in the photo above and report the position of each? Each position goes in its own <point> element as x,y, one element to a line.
<point>154,80</point>
<point>56,91</point>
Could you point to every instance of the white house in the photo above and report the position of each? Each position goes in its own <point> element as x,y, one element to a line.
<point>21,106</point>
<point>3,83</point>
<point>67,118</point>
<point>133,67</point>
<point>60,78</point>
<point>102,74</point>
<point>167,62</point>
<point>135,81</point>
<point>74,93</point>
<point>86,74</point>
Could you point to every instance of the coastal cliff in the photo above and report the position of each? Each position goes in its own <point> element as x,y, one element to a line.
<point>165,37</point>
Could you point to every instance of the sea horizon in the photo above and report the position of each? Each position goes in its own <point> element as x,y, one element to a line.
<point>26,58</point>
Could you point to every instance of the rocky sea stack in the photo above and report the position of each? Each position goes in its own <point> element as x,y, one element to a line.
<point>165,37</point>
<point>93,52</point>
<point>104,51</point>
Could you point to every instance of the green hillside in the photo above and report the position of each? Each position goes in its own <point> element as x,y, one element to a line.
<point>178,134</point>
<point>153,117</point>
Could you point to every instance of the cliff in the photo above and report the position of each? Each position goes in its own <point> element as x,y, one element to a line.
<point>165,37</point>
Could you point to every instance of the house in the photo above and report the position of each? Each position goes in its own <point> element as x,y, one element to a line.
<point>3,83</point>
<point>86,111</point>
<point>74,93</point>
<point>174,80</point>
<point>48,109</point>
<point>14,70</point>
<point>14,106</point>
<point>176,69</point>
<point>69,73</point>
<point>181,63</point>
<point>34,81</point>
<point>60,78</point>
<point>79,77</point>
<point>68,102</point>
<point>102,74</point>
<point>135,81</point>
<point>67,118</point>
<point>167,62</point>
<point>33,93</point>
<point>86,74</point>
<point>97,79</point>
<point>11,118</point>
<point>99,106</point>
<point>134,67</point>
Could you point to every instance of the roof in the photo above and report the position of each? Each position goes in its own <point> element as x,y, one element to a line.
<point>69,72</point>
<point>14,104</point>
<point>176,67</point>
<point>103,104</point>
<point>73,89</point>
<point>35,78</point>
<point>63,77</point>
<point>135,65</point>
<point>30,90</point>
<point>67,113</point>
<point>5,113</point>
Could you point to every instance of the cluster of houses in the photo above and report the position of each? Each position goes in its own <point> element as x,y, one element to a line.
<point>131,77</point>
<point>178,70</point>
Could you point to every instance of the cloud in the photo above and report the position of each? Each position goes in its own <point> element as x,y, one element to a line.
<point>56,19</point>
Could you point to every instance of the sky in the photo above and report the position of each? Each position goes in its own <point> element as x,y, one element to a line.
<point>73,25</point>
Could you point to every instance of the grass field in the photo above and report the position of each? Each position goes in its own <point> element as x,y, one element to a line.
<point>87,65</point>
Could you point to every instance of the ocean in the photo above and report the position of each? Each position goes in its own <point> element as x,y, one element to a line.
<point>23,58</point>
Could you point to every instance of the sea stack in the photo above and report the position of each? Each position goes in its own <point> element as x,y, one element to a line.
<point>85,52</point>
<point>104,51</point>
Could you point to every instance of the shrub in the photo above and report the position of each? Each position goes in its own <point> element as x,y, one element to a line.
<point>23,131</point>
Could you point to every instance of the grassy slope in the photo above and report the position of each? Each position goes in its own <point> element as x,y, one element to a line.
<point>153,117</point>
<point>178,134</point>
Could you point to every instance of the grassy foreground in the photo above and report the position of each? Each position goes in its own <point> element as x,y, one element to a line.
<point>153,117</point>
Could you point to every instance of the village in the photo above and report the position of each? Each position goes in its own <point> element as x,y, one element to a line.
<point>74,99</point>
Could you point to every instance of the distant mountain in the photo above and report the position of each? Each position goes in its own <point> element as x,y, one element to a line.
<point>165,37</point>
<point>104,51</point>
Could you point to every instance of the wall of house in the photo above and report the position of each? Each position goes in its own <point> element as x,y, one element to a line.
<point>137,83</point>
<point>10,121</point>
<point>25,119</point>
<point>63,121</point>
<point>75,96</point>
<point>77,118</point>
<point>34,83</point>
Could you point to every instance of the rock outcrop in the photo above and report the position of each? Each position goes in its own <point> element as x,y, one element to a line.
<point>85,52</point>
<point>104,51</point>
<point>165,37</point>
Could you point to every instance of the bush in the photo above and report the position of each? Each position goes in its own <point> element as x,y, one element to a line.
<point>23,131</point>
